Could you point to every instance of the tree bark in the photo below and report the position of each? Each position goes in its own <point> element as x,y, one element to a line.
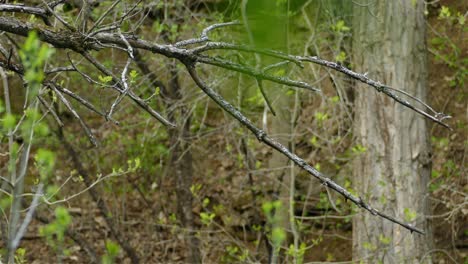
<point>393,172</point>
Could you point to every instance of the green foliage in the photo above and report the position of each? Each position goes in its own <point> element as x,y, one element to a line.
<point>340,26</point>
<point>20,256</point>
<point>207,218</point>
<point>384,240</point>
<point>410,214</point>
<point>445,49</point>
<point>297,254</point>
<point>278,234</point>
<point>133,76</point>
<point>369,246</point>
<point>445,172</point>
<point>321,117</point>
<point>8,122</point>
<point>54,232</point>
<point>195,189</point>
<point>324,203</point>
<point>45,162</point>
<point>31,124</point>
<point>341,57</point>
<point>445,13</point>
<point>267,21</point>
<point>105,79</point>
<point>5,202</point>
<point>33,56</point>
<point>234,254</point>
<point>112,251</point>
<point>358,149</point>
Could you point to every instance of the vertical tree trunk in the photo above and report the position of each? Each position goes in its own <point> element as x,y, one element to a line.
<point>392,174</point>
<point>181,161</point>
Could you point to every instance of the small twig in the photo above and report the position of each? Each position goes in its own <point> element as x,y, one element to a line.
<point>267,101</point>
<point>133,96</point>
<point>51,110</point>
<point>53,4</point>
<point>109,28</point>
<point>123,76</point>
<point>64,100</point>
<point>122,18</point>
<point>245,48</point>
<point>276,65</point>
<point>414,98</point>
<point>101,18</point>
<point>83,101</point>
<point>60,69</point>
<point>7,182</point>
<point>87,77</point>
<point>65,23</point>
<point>204,35</point>
<point>253,72</point>
<point>438,118</point>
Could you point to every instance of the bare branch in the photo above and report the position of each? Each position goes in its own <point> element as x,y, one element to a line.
<point>263,137</point>
<point>204,35</point>
<point>133,96</point>
<point>26,10</point>
<point>253,72</point>
<point>51,110</point>
<point>83,101</point>
<point>59,18</point>
<point>64,100</point>
<point>101,18</point>
<point>438,118</point>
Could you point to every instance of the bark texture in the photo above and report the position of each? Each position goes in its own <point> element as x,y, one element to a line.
<point>392,174</point>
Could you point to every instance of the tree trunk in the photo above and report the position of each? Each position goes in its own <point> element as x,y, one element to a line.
<point>181,161</point>
<point>393,172</point>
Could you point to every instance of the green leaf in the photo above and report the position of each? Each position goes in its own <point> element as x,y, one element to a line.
<point>321,116</point>
<point>444,13</point>
<point>461,19</point>
<point>340,26</point>
<point>278,235</point>
<point>105,79</point>
<point>267,207</point>
<point>133,76</point>
<point>9,121</point>
<point>62,216</point>
<point>341,57</point>
<point>410,214</point>
<point>384,240</point>
<point>112,248</point>
<point>280,73</point>
<point>41,129</point>
<point>207,218</point>
<point>206,202</point>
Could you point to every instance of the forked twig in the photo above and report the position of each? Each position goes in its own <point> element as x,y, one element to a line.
<point>64,100</point>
